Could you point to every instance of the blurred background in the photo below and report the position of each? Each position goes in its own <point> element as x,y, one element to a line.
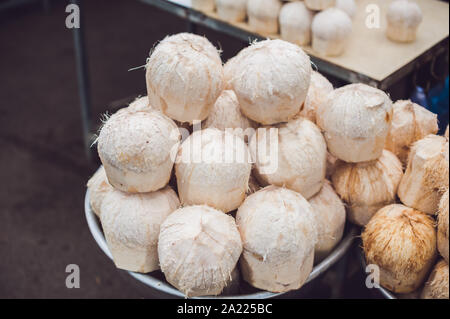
<point>44,164</point>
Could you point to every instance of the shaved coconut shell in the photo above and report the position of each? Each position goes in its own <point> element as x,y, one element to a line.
<point>263,15</point>
<point>271,79</point>
<point>356,120</point>
<point>367,187</point>
<point>411,122</point>
<point>203,5</point>
<point>404,18</point>
<point>280,257</point>
<point>137,150</point>
<point>319,5</point>
<point>296,159</point>
<point>348,6</point>
<point>213,168</point>
<point>198,250</point>
<point>98,186</point>
<point>232,10</point>
<point>437,285</point>
<point>295,23</point>
<point>330,220</point>
<point>184,77</point>
<point>401,241</point>
<point>426,175</point>
<point>131,225</point>
<point>443,226</point>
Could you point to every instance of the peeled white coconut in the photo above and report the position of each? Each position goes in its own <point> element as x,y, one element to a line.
<point>271,79</point>
<point>348,6</point>
<point>426,175</point>
<point>203,5</point>
<point>403,20</point>
<point>131,225</point>
<point>263,15</point>
<point>317,93</point>
<point>368,186</point>
<point>330,220</point>
<point>232,10</point>
<point>98,186</point>
<point>356,120</point>
<point>442,237</point>
<point>411,122</point>
<point>401,241</point>
<point>137,150</point>
<point>331,31</point>
<point>278,231</point>
<point>318,5</point>
<point>213,168</point>
<point>198,249</point>
<point>436,286</point>
<point>294,158</point>
<point>295,23</point>
<point>226,115</point>
<point>184,77</point>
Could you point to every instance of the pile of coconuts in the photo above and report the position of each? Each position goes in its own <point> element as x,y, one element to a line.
<point>251,169</point>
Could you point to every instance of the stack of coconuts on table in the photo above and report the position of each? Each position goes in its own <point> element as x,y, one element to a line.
<point>251,190</point>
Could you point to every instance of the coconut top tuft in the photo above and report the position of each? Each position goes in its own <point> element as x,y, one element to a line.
<point>332,24</point>
<point>404,12</point>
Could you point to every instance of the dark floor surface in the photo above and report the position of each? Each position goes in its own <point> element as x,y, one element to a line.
<point>42,161</point>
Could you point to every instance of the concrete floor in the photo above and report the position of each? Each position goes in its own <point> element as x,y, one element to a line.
<point>43,164</point>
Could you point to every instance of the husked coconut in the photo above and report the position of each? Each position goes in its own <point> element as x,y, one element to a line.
<point>330,220</point>
<point>213,168</point>
<point>442,237</point>
<point>184,77</point>
<point>348,6</point>
<point>411,122</point>
<point>426,175</point>
<point>403,20</point>
<point>198,249</point>
<point>280,257</point>
<point>263,15</point>
<point>317,93</point>
<point>295,23</point>
<point>356,120</point>
<point>331,31</point>
<point>98,186</point>
<point>226,115</point>
<point>293,157</point>
<point>401,241</point>
<point>271,79</point>
<point>318,5</point>
<point>138,150</point>
<point>232,10</point>
<point>131,224</point>
<point>368,186</point>
<point>203,5</point>
<point>437,285</point>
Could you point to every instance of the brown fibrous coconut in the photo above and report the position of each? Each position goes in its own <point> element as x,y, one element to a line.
<point>442,237</point>
<point>436,286</point>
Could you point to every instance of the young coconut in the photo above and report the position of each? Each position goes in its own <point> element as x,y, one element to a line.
<point>271,79</point>
<point>184,77</point>
<point>203,5</point>
<point>330,220</point>
<point>442,237</point>
<point>401,241</point>
<point>280,257</point>
<point>296,159</point>
<point>331,30</point>
<point>98,187</point>
<point>232,10</point>
<point>295,23</point>
<point>226,115</point>
<point>137,149</point>
<point>348,6</point>
<point>411,122</point>
<point>317,92</point>
<point>198,249</point>
<point>437,285</point>
<point>356,119</point>
<point>213,168</point>
<point>131,225</point>
<point>403,20</point>
<point>319,5</point>
<point>426,175</point>
<point>263,16</point>
<point>366,187</point>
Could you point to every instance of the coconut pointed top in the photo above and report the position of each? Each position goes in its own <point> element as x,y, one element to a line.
<point>405,12</point>
<point>332,23</point>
